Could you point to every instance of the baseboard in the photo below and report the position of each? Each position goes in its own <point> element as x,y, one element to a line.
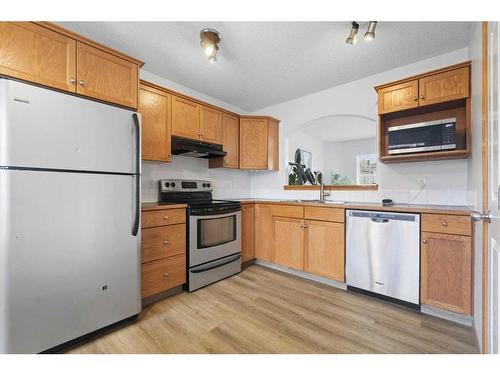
<point>157,297</point>
<point>304,275</point>
<point>448,315</point>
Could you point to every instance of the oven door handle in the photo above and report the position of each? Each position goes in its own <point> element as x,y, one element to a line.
<point>208,267</point>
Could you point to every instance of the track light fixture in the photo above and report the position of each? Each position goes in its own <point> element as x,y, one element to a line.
<point>351,39</point>
<point>209,39</point>
<point>369,35</point>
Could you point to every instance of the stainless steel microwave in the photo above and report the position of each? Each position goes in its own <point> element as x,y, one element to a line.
<point>423,137</point>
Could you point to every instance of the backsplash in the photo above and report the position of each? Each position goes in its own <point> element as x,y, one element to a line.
<point>227,183</point>
<point>233,184</point>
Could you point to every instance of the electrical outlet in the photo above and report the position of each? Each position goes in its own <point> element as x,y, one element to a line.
<point>422,182</point>
<point>152,182</point>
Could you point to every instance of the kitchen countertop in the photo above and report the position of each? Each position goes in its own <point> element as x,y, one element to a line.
<point>397,207</point>
<point>152,206</point>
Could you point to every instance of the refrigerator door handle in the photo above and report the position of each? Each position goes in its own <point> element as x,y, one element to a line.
<point>137,177</point>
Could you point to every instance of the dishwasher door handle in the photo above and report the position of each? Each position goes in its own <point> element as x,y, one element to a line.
<point>380,221</point>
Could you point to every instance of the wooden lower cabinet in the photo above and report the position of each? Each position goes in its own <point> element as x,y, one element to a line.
<point>163,242</point>
<point>288,242</point>
<point>324,249</point>
<point>247,232</point>
<point>446,272</point>
<point>263,221</point>
<point>161,275</point>
<point>163,250</point>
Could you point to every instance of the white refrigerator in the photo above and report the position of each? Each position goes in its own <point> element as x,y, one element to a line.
<point>69,217</point>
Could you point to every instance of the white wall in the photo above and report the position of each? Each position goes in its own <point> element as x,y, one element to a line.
<point>446,180</point>
<point>475,169</point>
<point>227,183</point>
<point>341,157</point>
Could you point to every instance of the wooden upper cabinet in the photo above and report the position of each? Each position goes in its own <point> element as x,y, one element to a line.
<point>210,125</point>
<point>443,87</point>
<point>185,118</point>
<point>253,143</point>
<point>34,53</point>
<point>231,135</point>
<point>247,232</point>
<point>106,77</point>
<point>324,249</point>
<point>259,143</point>
<point>288,241</point>
<point>230,143</point>
<point>398,97</point>
<point>446,273</point>
<point>155,109</point>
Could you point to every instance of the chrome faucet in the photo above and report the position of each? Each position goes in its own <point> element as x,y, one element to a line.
<point>322,192</point>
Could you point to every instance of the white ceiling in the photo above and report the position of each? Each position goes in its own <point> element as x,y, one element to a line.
<point>265,63</point>
<point>339,128</point>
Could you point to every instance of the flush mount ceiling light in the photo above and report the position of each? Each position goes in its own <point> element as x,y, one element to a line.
<point>209,41</point>
<point>369,35</point>
<point>351,39</point>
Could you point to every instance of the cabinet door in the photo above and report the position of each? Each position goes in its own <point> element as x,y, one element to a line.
<point>253,144</point>
<point>185,118</point>
<point>446,272</point>
<point>155,109</point>
<point>263,247</point>
<point>104,76</point>
<point>443,87</point>
<point>210,125</point>
<point>273,145</point>
<point>36,54</point>
<point>247,232</point>
<point>231,135</point>
<point>288,241</point>
<point>324,249</point>
<point>398,97</point>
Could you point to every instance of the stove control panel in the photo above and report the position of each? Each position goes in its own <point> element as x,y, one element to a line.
<point>174,185</point>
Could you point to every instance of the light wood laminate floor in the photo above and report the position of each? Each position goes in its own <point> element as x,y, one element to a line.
<point>266,311</point>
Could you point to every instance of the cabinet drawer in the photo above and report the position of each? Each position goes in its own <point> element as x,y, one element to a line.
<point>324,214</point>
<point>287,211</point>
<point>163,217</point>
<point>163,242</point>
<point>163,274</point>
<point>450,224</point>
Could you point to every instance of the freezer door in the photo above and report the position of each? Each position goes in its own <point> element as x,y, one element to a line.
<point>69,264</point>
<point>43,128</point>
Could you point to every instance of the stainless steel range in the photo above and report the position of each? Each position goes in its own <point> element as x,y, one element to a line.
<point>214,231</point>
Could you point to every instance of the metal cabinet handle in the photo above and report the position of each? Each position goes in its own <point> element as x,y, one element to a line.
<point>72,81</point>
<point>424,241</point>
<point>165,242</point>
<point>166,274</point>
<point>444,223</point>
<point>422,97</point>
<point>415,98</point>
<point>165,218</point>
<point>81,82</point>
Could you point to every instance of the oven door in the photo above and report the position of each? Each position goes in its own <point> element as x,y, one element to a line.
<point>214,236</point>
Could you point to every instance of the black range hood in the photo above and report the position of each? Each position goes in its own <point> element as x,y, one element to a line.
<point>196,149</point>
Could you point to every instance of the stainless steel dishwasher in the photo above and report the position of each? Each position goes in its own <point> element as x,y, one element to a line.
<point>383,255</point>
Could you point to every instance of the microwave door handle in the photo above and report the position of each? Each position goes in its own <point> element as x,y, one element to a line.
<point>137,174</point>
